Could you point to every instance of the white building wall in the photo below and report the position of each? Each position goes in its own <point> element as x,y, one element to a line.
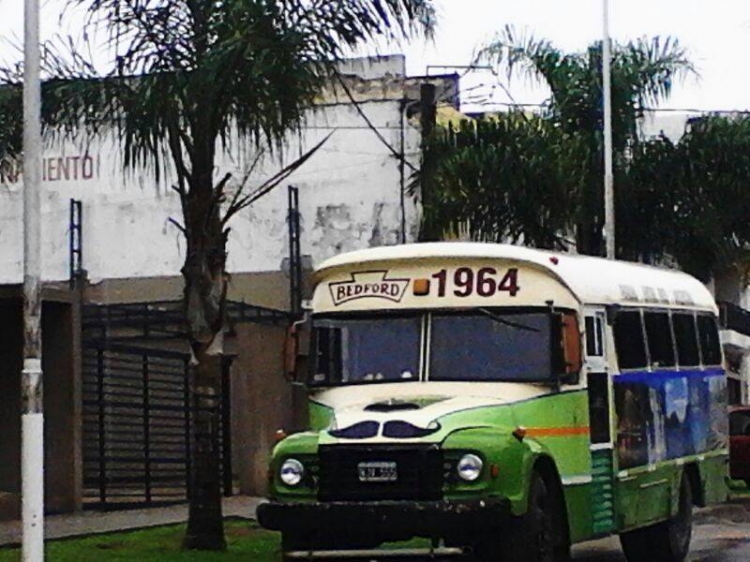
<point>350,198</point>
<point>671,125</point>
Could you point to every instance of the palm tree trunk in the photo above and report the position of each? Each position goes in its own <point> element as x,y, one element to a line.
<point>205,304</point>
<point>205,529</point>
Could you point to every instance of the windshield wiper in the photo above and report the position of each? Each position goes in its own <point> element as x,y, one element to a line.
<point>509,323</point>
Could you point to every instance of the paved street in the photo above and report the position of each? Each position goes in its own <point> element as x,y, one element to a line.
<point>720,534</point>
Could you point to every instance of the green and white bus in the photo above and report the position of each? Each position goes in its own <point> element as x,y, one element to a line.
<point>503,402</point>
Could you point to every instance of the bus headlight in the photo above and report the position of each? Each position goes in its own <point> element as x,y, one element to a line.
<point>292,471</point>
<point>469,467</point>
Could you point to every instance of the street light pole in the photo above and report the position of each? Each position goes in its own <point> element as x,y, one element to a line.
<point>609,190</point>
<point>32,417</point>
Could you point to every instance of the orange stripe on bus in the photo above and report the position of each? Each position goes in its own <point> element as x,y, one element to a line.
<point>557,431</point>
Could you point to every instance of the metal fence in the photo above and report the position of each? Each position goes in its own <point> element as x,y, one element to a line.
<point>136,426</point>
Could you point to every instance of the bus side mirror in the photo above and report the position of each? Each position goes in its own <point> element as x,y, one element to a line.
<point>570,343</point>
<point>291,349</point>
<point>294,362</point>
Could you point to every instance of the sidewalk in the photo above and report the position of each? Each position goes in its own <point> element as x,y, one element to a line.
<point>95,522</point>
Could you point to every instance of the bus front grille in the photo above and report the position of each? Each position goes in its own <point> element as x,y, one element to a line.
<point>411,473</point>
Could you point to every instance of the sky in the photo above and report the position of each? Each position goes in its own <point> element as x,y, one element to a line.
<point>716,34</point>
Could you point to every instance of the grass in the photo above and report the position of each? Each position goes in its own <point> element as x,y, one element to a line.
<point>246,542</point>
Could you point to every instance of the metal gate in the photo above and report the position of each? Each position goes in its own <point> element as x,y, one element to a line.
<point>136,426</point>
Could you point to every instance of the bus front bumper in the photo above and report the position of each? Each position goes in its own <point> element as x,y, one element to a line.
<point>385,518</point>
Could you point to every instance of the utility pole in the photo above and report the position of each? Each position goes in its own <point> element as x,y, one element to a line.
<point>609,189</point>
<point>32,417</point>
<point>427,121</point>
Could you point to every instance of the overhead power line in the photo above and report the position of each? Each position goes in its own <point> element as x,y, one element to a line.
<point>488,101</point>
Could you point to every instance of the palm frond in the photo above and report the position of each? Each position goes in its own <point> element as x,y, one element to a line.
<point>519,52</point>
<point>509,178</point>
<point>187,74</point>
<point>650,67</point>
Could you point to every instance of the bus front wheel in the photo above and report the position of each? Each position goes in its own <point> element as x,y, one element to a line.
<point>534,537</point>
<point>664,542</point>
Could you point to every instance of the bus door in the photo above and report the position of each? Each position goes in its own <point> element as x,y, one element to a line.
<point>599,385</point>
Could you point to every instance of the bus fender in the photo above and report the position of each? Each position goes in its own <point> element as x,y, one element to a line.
<point>537,458</point>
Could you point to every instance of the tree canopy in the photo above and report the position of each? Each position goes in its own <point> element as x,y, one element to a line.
<point>643,72</point>
<point>687,201</point>
<point>512,177</point>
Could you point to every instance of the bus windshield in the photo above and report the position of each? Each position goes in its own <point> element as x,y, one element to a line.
<point>476,345</point>
<point>366,350</point>
<point>491,346</point>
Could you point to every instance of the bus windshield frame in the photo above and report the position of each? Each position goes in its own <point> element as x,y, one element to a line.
<point>367,326</point>
<point>374,331</point>
<point>458,355</point>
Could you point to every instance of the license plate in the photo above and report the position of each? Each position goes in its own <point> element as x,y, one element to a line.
<point>377,471</point>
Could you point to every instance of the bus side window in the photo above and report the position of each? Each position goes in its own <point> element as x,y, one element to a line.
<point>629,341</point>
<point>686,337</point>
<point>708,334</point>
<point>659,336</point>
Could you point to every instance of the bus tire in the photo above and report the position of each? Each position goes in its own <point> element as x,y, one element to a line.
<point>664,542</point>
<point>531,537</point>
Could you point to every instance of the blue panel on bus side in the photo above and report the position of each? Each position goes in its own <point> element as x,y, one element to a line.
<point>669,414</point>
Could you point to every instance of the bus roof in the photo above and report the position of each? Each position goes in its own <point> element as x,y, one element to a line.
<point>592,280</point>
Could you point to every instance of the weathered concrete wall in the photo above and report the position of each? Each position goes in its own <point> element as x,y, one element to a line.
<point>62,407</point>
<point>267,288</point>
<point>261,403</point>
<point>61,404</point>
<point>350,193</point>
<point>374,67</point>
<point>11,353</point>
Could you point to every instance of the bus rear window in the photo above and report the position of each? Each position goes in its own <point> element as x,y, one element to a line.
<point>659,336</point>
<point>686,337</point>
<point>629,342</point>
<point>709,338</point>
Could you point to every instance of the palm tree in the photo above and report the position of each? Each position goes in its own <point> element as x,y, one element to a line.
<point>191,76</point>
<point>643,72</point>
<point>713,232</point>
<point>690,198</point>
<point>510,177</point>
